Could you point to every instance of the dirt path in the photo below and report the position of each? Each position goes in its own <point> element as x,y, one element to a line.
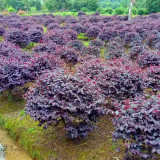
<point>13,152</point>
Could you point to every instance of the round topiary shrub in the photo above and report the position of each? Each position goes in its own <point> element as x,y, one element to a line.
<point>45,47</point>
<point>137,50</point>
<point>57,37</point>
<point>2,31</point>
<point>121,81</point>
<point>91,68</point>
<point>93,32</point>
<point>138,123</point>
<point>60,97</point>
<point>76,44</point>
<point>70,56</point>
<point>153,81</point>
<point>149,58</point>
<point>40,63</point>
<point>12,74</point>
<point>35,35</point>
<point>18,37</point>
<point>119,11</point>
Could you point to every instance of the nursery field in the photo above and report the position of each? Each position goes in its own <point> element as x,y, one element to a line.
<point>81,88</point>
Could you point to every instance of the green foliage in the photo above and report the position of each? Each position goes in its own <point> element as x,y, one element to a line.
<point>11,10</point>
<point>86,43</point>
<point>99,10</point>
<point>33,9</point>
<point>31,130</point>
<point>10,97</point>
<point>141,7</point>
<point>22,113</point>
<point>30,46</point>
<point>91,5</point>
<point>124,3</point>
<point>1,121</point>
<point>108,10</point>
<point>84,9</point>
<point>143,11</point>
<point>1,38</point>
<point>134,11</point>
<point>65,13</point>
<point>119,11</point>
<point>74,10</point>
<point>153,6</point>
<point>82,36</point>
<point>20,4</point>
<point>54,5</point>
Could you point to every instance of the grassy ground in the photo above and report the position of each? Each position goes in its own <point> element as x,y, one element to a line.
<point>1,38</point>
<point>52,144</point>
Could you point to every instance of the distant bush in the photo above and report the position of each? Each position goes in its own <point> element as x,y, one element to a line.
<point>20,12</point>
<point>134,11</point>
<point>141,11</point>
<point>99,10</point>
<point>119,11</point>
<point>33,9</point>
<point>5,13</point>
<point>74,10</point>
<point>84,9</point>
<point>108,10</point>
<point>11,10</point>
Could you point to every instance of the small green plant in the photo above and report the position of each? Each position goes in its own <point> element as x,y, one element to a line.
<point>33,9</point>
<point>86,43</point>
<point>82,36</point>
<point>22,113</point>
<point>1,38</point>
<point>31,130</point>
<point>10,97</point>
<point>1,121</point>
<point>30,46</point>
<point>44,29</point>
<point>11,10</point>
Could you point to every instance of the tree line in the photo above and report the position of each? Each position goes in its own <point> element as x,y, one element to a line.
<point>148,6</point>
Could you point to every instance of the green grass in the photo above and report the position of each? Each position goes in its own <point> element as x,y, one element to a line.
<point>30,46</point>
<point>44,29</point>
<point>82,37</point>
<point>52,143</point>
<point>65,13</point>
<point>1,38</point>
<point>86,43</point>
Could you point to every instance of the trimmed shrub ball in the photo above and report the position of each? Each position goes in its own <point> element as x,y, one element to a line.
<point>19,38</point>
<point>60,97</point>
<point>138,123</point>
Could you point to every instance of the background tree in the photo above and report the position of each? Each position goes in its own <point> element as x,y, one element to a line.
<point>2,5</point>
<point>153,5</point>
